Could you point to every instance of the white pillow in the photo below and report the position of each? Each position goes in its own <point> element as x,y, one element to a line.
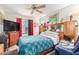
<point>52,35</point>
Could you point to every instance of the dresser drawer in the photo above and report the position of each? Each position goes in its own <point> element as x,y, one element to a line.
<point>13,37</point>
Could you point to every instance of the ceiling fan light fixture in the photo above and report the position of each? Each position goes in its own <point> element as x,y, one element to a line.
<point>36,7</point>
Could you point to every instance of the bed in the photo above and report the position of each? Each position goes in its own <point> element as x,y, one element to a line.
<point>36,45</point>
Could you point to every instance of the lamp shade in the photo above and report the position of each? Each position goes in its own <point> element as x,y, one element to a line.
<point>76,23</point>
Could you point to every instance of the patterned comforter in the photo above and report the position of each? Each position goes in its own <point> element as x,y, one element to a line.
<point>32,45</point>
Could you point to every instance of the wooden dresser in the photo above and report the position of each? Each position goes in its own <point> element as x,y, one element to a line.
<point>13,37</point>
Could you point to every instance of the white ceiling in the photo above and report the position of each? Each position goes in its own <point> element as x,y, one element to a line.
<point>22,9</point>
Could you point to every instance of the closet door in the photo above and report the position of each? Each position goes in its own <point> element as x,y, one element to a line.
<point>30,26</point>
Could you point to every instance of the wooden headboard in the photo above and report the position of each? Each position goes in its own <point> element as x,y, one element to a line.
<point>69,28</point>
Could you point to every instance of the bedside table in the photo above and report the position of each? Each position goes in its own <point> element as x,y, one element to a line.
<point>1,49</point>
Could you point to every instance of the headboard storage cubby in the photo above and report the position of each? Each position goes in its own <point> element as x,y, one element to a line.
<point>69,28</point>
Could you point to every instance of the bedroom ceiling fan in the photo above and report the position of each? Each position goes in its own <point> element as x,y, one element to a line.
<point>36,7</point>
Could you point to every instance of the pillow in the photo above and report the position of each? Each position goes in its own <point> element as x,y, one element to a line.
<point>50,33</point>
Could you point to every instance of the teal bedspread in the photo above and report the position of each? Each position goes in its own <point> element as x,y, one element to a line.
<point>32,45</point>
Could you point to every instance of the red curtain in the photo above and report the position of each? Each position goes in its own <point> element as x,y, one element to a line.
<point>19,20</point>
<point>30,27</point>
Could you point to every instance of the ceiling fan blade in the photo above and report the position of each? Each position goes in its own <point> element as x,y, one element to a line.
<point>33,5</point>
<point>41,6</point>
<point>39,11</point>
<point>28,8</point>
